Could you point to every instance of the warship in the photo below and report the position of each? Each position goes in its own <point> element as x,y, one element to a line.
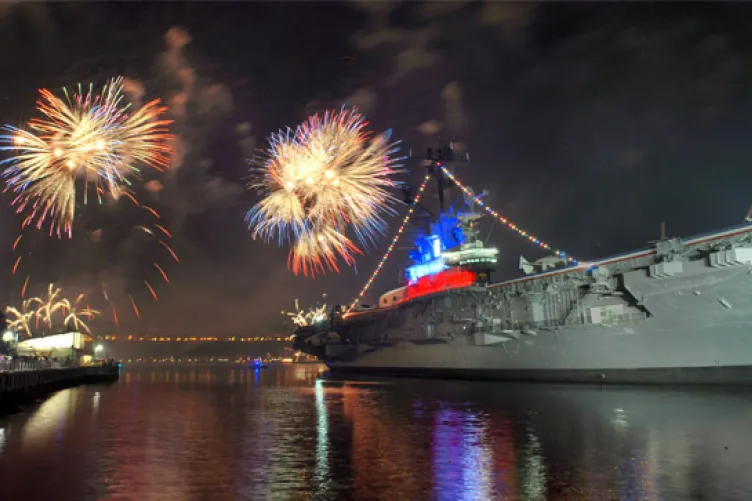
<point>678,311</point>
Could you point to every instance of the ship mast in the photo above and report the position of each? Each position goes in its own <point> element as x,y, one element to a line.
<point>435,158</point>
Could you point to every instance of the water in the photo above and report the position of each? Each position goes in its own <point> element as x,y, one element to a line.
<point>282,433</point>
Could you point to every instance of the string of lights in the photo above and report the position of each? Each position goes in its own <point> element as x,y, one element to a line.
<point>389,250</point>
<point>512,226</point>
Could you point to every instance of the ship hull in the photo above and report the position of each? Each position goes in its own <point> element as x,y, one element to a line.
<point>738,375</point>
<point>692,338</point>
<point>702,350</point>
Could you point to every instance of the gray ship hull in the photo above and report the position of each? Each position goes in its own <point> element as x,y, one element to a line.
<point>638,320</point>
<point>741,376</point>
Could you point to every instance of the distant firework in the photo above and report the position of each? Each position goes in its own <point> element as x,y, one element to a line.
<point>44,315</point>
<point>95,137</point>
<point>325,178</point>
<point>314,314</point>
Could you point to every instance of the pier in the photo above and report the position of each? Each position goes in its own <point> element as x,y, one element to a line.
<point>23,382</point>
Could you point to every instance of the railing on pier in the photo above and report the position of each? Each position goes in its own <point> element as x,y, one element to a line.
<point>19,365</point>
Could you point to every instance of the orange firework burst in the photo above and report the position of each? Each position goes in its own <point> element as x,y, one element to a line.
<point>85,135</point>
<point>326,178</point>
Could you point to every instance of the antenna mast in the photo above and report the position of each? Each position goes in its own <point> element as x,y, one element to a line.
<point>435,158</point>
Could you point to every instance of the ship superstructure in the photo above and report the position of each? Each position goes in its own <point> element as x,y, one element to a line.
<point>677,311</point>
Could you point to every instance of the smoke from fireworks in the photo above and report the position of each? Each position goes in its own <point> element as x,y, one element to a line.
<point>325,178</point>
<point>93,136</point>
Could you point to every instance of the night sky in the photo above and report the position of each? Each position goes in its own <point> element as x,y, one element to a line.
<point>588,124</point>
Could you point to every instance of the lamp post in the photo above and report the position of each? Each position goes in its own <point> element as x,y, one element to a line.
<point>9,342</point>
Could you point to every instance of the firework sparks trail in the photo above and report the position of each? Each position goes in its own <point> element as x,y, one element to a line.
<point>162,272</point>
<point>50,305</point>
<point>114,315</point>
<point>135,308</point>
<point>84,134</point>
<point>172,252</point>
<point>154,294</point>
<point>73,314</point>
<point>325,178</point>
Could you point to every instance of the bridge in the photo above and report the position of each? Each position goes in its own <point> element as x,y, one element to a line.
<point>191,339</point>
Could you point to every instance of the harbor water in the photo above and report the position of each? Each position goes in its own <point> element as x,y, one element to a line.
<point>286,432</point>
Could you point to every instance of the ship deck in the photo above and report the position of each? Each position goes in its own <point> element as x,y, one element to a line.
<point>645,252</point>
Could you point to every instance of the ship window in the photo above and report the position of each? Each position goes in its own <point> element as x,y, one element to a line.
<point>394,298</point>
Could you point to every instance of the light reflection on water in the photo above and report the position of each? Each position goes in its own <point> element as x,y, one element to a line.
<point>322,435</point>
<point>462,463</point>
<point>284,433</point>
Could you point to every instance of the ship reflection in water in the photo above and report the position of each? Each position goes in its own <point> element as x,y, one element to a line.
<point>286,433</point>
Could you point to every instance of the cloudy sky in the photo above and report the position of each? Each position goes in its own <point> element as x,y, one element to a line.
<point>588,125</point>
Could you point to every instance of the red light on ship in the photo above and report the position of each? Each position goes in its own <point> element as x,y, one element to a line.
<point>445,280</point>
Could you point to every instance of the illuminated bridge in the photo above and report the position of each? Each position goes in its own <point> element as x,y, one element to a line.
<point>190,339</point>
<point>206,348</point>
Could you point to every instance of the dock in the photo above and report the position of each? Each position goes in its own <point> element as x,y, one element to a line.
<point>25,383</point>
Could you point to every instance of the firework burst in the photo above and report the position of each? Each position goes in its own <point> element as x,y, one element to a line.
<point>37,314</point>
<point>314,314</point>
<point>325,178</point>
<point>96,137</point>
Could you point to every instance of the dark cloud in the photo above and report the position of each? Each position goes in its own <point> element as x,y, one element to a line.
<point>5,7</point>
<point>197,107</point>
<point>454,116</point>
<point>365,99</point>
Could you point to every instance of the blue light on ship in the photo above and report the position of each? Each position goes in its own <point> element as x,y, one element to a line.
<point>428,260</point>
<point>436,243</point>
<point>416,271</point>
<point>445,234</point>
